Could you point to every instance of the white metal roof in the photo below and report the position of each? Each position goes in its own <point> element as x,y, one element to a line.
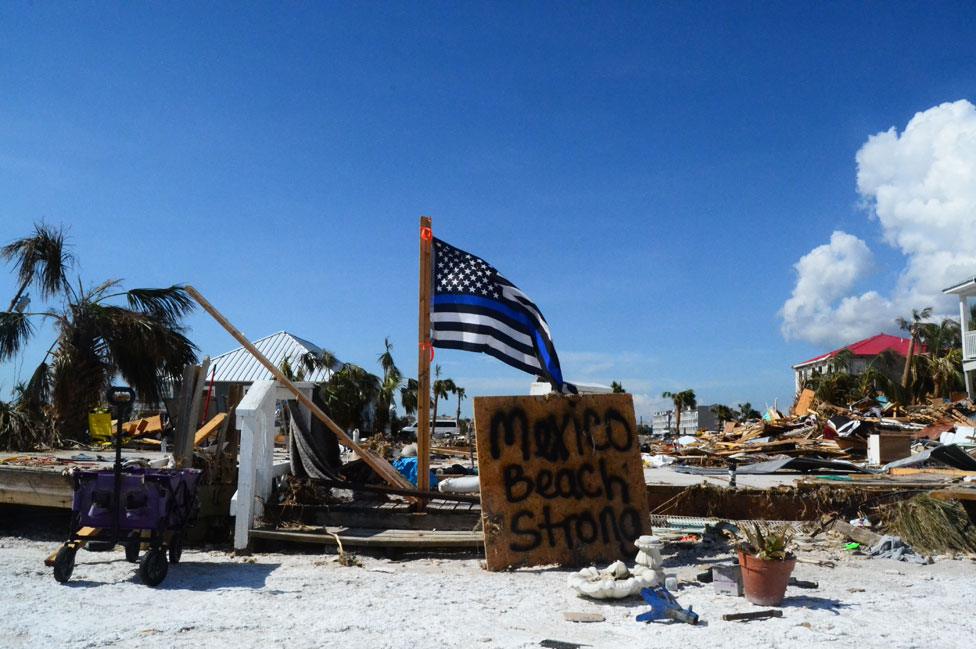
<point>239,366</point>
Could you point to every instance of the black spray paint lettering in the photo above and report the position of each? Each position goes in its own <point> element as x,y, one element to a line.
<point>578,483</point>
<point>546,438</point>
<point>575,529</point>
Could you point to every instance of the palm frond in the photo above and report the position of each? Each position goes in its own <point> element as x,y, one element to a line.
<point>15,330</point>
<point>144,348</point>
<point>98,291</point>
<point>41,259</point>
<point>169,304</point>
<point>37,392</point>
<point>310,361</point>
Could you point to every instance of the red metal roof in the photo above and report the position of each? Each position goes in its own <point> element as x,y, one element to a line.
<point>871,347</point>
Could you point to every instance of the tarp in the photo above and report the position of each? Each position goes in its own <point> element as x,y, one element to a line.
<point>407,466</point>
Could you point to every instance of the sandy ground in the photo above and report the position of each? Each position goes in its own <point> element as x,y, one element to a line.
<point>212,599</point>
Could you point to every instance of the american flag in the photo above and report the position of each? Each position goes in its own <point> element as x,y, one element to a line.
<point>477,310</point>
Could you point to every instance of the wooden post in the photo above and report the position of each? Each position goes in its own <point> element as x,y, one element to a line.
<point>383,468</point>
<point>423,359</point>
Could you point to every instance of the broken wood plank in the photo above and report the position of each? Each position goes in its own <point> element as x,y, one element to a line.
<point>752,615</point>
<point>378,538</point>
<point>142,427</point>
<point>210,428</point>
<point>802,407</point>
<point>862,535</point>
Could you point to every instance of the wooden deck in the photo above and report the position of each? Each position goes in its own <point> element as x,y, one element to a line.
<point>375,538</point>
<point>38,480</point>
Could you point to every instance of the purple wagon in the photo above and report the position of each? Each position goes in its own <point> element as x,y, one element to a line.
<point>130,506</point>
<point>156,500</point>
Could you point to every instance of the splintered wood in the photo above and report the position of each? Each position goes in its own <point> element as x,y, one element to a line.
<point>561,479</point>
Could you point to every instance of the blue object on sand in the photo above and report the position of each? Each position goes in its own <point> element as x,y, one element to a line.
<point>407,466</point>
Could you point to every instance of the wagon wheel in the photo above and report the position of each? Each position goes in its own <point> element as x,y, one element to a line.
<point>153,567</point>
<point>64,563</point>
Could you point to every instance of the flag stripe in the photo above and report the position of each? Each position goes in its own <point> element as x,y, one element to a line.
<point>477,314</point>
<point>510,311</point>
<point>491,351</point>
<point>484,325</point>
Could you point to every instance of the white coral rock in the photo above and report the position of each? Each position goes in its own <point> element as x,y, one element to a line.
<point>613,582</point>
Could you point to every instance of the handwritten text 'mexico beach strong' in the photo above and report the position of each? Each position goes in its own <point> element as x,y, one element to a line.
<point>571,465</point>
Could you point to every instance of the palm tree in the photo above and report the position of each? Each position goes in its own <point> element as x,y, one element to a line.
<point>617,388</point>
<point>97,338</point>
<point>940,338</point>
<point>842,361</point>
<point>440,388</point>
<point>392,379</point>
<point>23,422</point>
<point>408,396</point>
<point>460,393</point>
<point>724,414</point>
<point>912,326</point>
<point>681,400</point>
<point>945,372</point>
<point>349,395</point>
<point>747,412</point>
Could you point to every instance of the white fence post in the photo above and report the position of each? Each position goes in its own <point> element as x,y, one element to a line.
<point>255,413</point>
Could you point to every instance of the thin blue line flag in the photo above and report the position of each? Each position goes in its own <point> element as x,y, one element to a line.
<point>477,310</point>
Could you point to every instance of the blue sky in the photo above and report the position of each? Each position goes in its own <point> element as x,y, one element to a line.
<point>648,173</point>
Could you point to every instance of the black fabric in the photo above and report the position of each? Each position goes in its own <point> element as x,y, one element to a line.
<point>314,453</point>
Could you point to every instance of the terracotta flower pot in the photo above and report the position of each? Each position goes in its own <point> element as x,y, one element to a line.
<point>765,581</point>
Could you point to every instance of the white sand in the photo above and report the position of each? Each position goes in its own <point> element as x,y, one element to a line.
<point>306,600</point>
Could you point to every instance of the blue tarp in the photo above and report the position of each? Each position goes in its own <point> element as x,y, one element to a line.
<point>407,466</point>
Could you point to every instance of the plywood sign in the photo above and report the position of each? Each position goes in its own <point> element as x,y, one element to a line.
<point>561,479</point>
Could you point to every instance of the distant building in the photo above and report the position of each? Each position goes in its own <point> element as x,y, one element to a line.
<point>662,422</point>
<point>864,351</point>
<point>692,420</point>
<point>967,299</point>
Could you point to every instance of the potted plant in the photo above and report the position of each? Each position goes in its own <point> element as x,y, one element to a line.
<point>766,560</point>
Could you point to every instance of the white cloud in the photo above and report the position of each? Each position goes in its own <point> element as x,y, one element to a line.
<point>920,186</point>
<point>821,308</point>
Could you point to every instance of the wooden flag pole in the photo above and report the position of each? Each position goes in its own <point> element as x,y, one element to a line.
<point>423,359</point>
<point>383,468</point>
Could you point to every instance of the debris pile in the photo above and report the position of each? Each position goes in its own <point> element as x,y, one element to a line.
<point>825,431</point>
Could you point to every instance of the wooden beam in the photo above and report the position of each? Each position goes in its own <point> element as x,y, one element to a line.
<point>383,468</point>
<point>209,428</point>
<point>423,359</point>
<point>954,473</point>
<point>961,494</point>
<point>377,538</point>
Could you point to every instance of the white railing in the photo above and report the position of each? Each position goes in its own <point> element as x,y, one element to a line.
<point>256,470</point>
<point>969,345</point>
<point>255,416</point>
